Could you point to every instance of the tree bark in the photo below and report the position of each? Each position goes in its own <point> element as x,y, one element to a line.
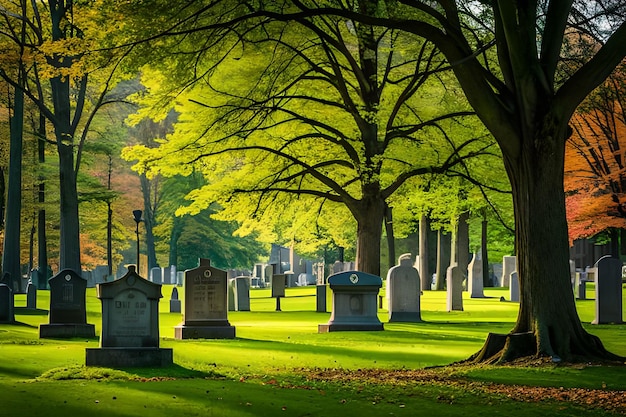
<point>369,217</point>
<point>11,249</point>
<point>443,259</point>
<point>149,213</point>
<point>424,230</point>
<point>391,241</point>
<point>547,307</point>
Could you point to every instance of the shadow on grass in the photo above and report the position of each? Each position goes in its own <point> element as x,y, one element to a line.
<point>30,311</point>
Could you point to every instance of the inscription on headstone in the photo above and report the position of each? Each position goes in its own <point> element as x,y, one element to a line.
<point>205,309</point>
<point>68,311</point>
<point>130,324</point>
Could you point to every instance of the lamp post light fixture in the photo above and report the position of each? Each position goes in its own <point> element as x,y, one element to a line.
<point>137,216</point>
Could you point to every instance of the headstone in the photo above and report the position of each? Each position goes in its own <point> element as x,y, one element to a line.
<point>175,304</point>
<point>509,264</point>
<point>337,267</point>
<point>101,274</point>
<point>89,276</point>
<point>278,285</point>
<point>320,298</point>
<point>454,284</point>
<point>514,286</point>
<point>6,304</point>
<point>130,324</point>
<point>241,293</point>
<point>403,289</point>
<point>354,306</point>
<point>609,291</point>
<point>180,277</point>
<point>268,271</point>
<point>497,272</point>
<point>156,275</point>
<point>475,277</point>
<point>167,277</point>
<point>173,275</point>
<point>580,286</point>
<point>290,279</point>
<point>31,296</point>
<point>68,310</point>
<point>206,307</point>
<point>279,282</point>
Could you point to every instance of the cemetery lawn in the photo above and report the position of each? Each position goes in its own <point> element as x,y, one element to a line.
<point>279,365</point>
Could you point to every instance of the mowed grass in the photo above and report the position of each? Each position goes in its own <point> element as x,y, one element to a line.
<point>263,372</point>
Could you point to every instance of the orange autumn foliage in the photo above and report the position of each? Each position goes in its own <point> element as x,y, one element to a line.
<point>595,165</point>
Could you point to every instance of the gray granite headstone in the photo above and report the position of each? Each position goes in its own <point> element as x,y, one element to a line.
<point>514,286</point>
<point>454,288</point>
<point>241,293</point>
<point>68,310</point>
<point>403,290</point>
<point>475,277</point>
<point>509,264</point>
<point>130,324</point>
<point>278,285</point>
<point>320,298</point>
<point>175,304</point>
<point>580,286</point>
<point>609,291</point>
<point>206,307</point>
<point>7,314</point>
<point>156,275</point>
<point>497,272</point>
<point>31,296</point>
<point>167,276</point>
<point>355,306</point>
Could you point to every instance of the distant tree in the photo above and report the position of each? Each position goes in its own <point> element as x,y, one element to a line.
<point>595,164</point>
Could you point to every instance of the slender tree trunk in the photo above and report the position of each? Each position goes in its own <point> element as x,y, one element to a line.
<point>424,230</point>
<point>462,243</point>
<point>42,241</point>
<point>443,259</point>
<point>149,213</point>
<point>485,255</point>
<point>391,241</point>
<point>11,250</point>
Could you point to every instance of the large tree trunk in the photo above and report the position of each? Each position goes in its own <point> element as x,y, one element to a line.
<point>548,323</point>
<point>69,245</point>
<point>369,217</point>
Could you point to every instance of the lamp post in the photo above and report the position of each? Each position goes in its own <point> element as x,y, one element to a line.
<point>137,217</point>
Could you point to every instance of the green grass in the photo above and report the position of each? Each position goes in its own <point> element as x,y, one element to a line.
<point>263,371</point>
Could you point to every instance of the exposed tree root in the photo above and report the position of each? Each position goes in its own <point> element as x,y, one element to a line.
<point>507,348</point>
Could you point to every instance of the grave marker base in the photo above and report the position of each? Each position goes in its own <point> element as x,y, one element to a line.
<point>114,357</point>
<point>405,317</point>
<point>204,332</point>
<point>346,327</point>
<point>66,330</point>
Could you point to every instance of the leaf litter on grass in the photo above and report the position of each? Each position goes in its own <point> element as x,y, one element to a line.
<point>604,399</point>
